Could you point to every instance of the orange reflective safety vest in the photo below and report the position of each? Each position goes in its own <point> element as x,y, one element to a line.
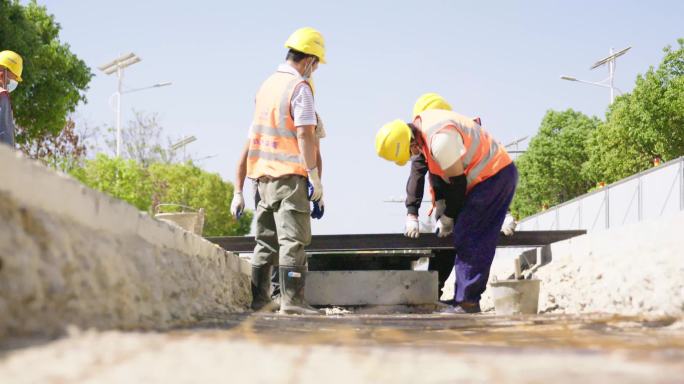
<point>273,149</point>
<point>483,156</point>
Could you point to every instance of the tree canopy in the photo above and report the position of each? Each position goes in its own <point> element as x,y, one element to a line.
<point>572,153</point>
<point>55,79</point>
<point>643,125</point>
<point>186,184</point>
<point>551,168</point>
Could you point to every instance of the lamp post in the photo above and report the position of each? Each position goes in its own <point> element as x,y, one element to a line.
<point>515,144</point>
<point>117,66</point>
<point>607,82</point>
<point>182,143</point>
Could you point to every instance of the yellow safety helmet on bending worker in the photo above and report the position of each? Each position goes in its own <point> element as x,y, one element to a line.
<point>393,142</point>
<point>430,101</point>
<point>12,61</point>
<point>307,40</point>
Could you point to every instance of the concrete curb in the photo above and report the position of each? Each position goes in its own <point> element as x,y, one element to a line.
<point>151,263</point>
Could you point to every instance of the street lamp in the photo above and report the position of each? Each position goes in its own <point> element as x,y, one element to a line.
<point>608,82</point>
<point>515,144</point>
<point>158,85</point>
<point>117,66</point>
<point>182,143</point>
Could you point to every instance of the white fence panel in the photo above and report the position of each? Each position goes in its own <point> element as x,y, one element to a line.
<point>651,194</point>
<point>569,215</point>
<point>624,203</point>
<point>661,192</point>
<point>594,211</point>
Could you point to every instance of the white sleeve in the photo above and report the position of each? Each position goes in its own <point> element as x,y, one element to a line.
<point>302,104</point>
<point>446,148</point>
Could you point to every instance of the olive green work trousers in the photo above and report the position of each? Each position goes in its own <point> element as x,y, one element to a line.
<point>283,221</point>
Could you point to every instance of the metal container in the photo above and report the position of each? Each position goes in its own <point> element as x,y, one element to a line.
<point>190,221</point>
<point>516,296</point>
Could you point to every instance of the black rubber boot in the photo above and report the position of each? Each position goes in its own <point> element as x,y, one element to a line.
<point>261,285</point>
<point>292,301</point>
<point>275,286</point>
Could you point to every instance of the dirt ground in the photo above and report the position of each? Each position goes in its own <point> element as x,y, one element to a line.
<point>357,348</point>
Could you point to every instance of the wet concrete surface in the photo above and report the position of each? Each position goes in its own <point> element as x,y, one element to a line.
<point>358,347</point>
<point>660,336</point>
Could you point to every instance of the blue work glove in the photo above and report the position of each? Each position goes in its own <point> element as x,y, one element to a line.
<point>318,207</point>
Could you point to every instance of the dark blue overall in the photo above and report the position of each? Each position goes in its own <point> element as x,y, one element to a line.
<point>476,232</point>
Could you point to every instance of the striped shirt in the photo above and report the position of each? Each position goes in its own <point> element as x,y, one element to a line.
<point>302,103</point>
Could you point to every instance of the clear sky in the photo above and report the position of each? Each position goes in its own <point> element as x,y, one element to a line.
<point>500,60</point>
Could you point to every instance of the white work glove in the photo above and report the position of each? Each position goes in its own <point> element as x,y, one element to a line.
<point>237,206</point>
<point>320,128</point>
<point>509,227</point>
<point>440,207</point>
<point>412,227</point>
<point>445,226</point>
<point>315,181</point>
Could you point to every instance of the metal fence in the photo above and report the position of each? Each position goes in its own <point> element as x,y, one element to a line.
<point>653,193</point>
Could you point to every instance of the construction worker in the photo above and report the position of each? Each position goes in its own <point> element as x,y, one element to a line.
<point>282,156</point>
<point>11,67</point>
<point>237,205</point>
<point>480,180</point>
<point>441,261</point>
<point>415,184</point>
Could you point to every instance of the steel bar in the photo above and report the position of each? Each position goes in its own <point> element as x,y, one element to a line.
<point>397,241</point>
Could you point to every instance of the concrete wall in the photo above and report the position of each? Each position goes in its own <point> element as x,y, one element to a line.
<point>71,255</point>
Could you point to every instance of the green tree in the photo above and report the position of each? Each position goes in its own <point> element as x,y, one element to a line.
<point>124,179</point>
<point>645,124</point>
<point>188,185</point>
<point>551,168</point>
<point>55,80</point>
<point>185,184</point>
<point>63,151</point>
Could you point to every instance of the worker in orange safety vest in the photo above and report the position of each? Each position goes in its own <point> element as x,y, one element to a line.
<point>283,158</point>
<point>480,180</point>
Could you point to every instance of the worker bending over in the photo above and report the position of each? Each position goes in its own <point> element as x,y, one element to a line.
<point>442,261</point>
<point>480,179</point>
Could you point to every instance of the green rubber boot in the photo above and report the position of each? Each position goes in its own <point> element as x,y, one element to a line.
<point>261,287</point>
<point>292,301</point>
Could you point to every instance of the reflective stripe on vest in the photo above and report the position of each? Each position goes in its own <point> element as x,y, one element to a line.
<point>273,148</point>
<point>484,156</point>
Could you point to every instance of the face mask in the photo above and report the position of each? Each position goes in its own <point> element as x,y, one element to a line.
<point>12,85</point>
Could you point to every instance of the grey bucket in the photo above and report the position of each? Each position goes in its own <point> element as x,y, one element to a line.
<point>516,296</point>
<point>190,221</point>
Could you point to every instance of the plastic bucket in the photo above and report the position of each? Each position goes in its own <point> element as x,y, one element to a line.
<point>185,220</point>
<point>190,221</point>
<point>516,296</point>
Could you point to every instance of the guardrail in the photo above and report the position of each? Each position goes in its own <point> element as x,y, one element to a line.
<point>656,192</point>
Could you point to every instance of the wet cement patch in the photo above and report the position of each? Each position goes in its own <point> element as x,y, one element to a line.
<point>365,348</point>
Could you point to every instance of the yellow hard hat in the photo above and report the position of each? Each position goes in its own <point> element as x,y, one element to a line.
<point>12,61</point>
<point>430,101</point>
<point>392,142</point>
<point>307,40</point>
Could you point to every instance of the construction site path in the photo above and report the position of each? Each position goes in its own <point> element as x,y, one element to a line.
<point>351,348</point>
